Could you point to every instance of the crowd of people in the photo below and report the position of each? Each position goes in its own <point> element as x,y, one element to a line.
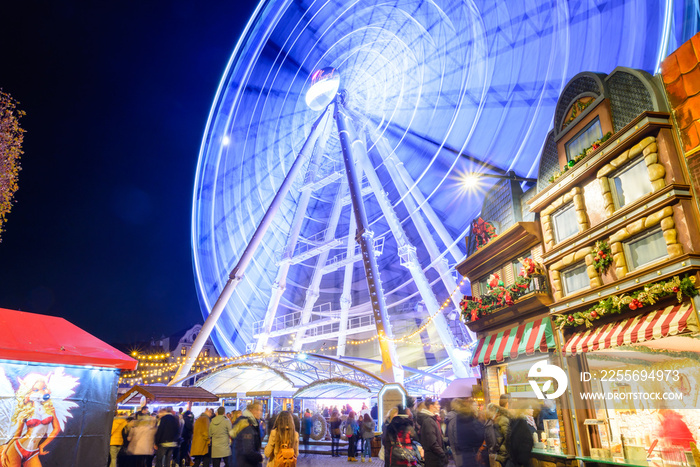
<point>168,438</point>
<point>425,435</point>
<point>497,436</point>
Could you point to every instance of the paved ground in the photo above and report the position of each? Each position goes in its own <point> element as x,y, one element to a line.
<point>322,460</point>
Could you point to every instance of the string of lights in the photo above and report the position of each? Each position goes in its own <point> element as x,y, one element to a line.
<point>147,362</point>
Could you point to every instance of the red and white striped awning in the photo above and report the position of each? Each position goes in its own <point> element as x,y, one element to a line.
<point>523,339</point>
<point>669,321</point>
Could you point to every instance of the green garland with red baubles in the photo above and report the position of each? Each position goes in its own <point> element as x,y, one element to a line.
<point>617,304</point>
<point>602,256</point>
<point>498,295</point>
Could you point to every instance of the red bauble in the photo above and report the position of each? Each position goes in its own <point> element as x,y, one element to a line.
<point>570,319</point>
<point>594,315</point>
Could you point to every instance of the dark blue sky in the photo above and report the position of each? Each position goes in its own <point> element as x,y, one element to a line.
<point>117,95</point>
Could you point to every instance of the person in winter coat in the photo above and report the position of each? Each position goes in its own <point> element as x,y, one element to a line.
<point>116,440</point>
<point>519,441</point>
<point>246,437</point>
<point>141,440</point>
<point>451,429</point>
<point>200,449</point>
<point>431,434</point>
<point>167,437</point>
<point>367,433</point>
<point>220,442</point>
<point>469,436</point>
<point>335,433</point>
<point>282,434</point>
<point>186,437</point>
<point>352,429</point>
<point>385,426</point>
<point>400,433</point>
<point>501,422</point>
<point>492,432</point>
<point>306,427</point>
<point>547,412</point>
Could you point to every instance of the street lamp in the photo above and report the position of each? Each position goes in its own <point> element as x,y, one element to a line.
<point>472,180</point>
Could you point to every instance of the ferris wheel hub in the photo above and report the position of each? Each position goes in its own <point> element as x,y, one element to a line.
<point>325,83</point>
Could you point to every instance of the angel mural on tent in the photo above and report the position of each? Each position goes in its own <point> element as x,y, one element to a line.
<point>32,416</point>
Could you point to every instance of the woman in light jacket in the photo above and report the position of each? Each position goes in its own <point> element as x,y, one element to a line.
<point>282,434</point>
<point>367,434</point>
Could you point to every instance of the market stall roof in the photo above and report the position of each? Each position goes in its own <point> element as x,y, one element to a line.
<point>334,388</point>
<point>167,394</point>
<point>664,322</point>
<point>523,339</point>
<point>55,340</point>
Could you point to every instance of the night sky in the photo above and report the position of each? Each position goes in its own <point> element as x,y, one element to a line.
<point>117,95</point>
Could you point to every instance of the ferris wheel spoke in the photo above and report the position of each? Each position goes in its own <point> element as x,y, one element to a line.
<point>280,284</point>
<point>409,259</point>
<point>313,291</point>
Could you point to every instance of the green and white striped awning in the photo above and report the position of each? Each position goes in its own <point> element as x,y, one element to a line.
<point>524,339</point>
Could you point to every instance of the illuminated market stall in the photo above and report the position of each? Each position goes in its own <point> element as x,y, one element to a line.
<point>58,388</point>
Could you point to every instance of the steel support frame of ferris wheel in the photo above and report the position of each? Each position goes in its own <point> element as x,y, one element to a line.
<point>313,291</point>
<point>413,199</point>
<point>410,260</point>
<point>236,275</point>
<point>280,283</point>
<point>346,296</point>
<point>354,150</point>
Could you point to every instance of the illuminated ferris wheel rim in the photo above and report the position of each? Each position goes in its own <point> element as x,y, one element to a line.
<point>244,61</point>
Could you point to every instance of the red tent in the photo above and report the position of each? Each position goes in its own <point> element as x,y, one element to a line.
<point>31,337</point>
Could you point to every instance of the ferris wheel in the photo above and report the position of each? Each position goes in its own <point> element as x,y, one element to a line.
<point>328,210</point>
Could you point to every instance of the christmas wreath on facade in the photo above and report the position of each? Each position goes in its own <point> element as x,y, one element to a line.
<point>602,256</point>
<point>498,295</point>
<point>483,232</point>
<point>617,304</point>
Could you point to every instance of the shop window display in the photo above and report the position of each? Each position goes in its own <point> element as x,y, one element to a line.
<point>513,380</point>
<point>646,409</point>
<point>630,183</point>
<point>565,224</point>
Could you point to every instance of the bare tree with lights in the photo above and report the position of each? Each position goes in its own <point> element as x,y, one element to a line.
<point>11,137</point>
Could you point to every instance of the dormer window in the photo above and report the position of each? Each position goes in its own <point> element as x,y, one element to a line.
<point>584,139</point>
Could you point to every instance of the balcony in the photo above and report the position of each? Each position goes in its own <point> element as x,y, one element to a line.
<point>534,299</point>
